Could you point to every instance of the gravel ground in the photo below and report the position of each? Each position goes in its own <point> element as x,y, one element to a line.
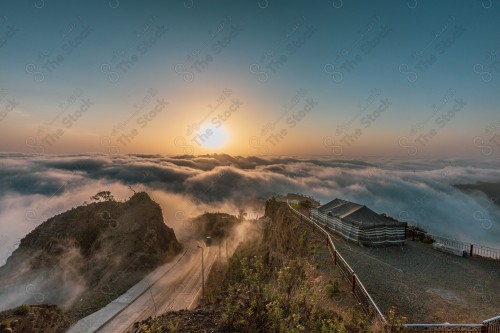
<point>425,285</point>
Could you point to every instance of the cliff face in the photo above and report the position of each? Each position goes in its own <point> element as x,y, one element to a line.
<point>284,234</point>
<point>85,257</point>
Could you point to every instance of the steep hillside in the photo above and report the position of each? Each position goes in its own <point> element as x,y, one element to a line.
<point>87,256</point>
<point>280,279</point>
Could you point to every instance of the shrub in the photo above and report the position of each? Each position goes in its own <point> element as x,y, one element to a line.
<point>394,322</point>
<point>150,328</point>
<point>5,324</point>
<point>173,326</point>
<point>22,310</point>
<point>332,288</point>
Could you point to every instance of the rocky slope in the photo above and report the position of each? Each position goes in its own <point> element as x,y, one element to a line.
<point>33,319</point>
<point>87,256</point>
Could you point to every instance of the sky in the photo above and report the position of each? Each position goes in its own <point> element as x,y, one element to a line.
<point>341,78</point>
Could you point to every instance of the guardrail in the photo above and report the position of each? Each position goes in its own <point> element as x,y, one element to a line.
<point>444,328</point>
<point>488,326</point>
<point>471,249</point>
<point>370,307</point>
<point>358,289</point>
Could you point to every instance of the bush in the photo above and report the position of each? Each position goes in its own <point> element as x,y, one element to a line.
<point>5,324</point>
<point>22,310</point>
<point>150,328</point>
<point>395,323</point>
<point>306,204</point>
<point>332,288</point>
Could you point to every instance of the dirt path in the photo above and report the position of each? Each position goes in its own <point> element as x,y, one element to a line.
<point>425,285</point>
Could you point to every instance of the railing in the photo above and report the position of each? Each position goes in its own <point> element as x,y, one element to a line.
<point>444,328</point>
<point>492,325</point>
<point>370,307</point>
<point>471,249</point>
<point>358,289</point>
<point>488,326</point>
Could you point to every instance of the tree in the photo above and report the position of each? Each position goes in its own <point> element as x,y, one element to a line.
<point>242,214</point>
<point>103,196</point>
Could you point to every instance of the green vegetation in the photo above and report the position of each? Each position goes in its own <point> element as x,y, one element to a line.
<point>332,288</point>
<point>173,326</point>
<point>22,310</point>
<point>306,204</point>
<point>5,325</point>
<point>259,301</point>
<point>151,328</point>
<point>395,322</point>
<point>272,284</point>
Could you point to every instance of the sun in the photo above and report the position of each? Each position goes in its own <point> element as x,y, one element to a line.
<point>213,137</point>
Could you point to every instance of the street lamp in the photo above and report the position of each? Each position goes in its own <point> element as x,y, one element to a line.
<point>202,274</point>
<point>225,218</point>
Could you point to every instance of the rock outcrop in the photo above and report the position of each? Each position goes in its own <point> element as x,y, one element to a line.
<point>87,256</point>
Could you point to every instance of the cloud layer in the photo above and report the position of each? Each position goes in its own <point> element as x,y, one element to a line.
<point>33,188</point>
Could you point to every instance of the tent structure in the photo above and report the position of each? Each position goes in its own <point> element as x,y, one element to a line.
<point>358,223</point>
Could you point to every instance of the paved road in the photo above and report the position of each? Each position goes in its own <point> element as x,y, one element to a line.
<point>177,286</point>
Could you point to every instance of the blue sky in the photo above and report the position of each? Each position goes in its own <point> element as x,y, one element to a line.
<point>370,71</point>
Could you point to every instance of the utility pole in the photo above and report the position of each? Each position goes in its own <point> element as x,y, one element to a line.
<point>154,303</point>
<point>202,274</point>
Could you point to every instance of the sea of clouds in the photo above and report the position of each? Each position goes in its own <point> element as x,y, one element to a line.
<point>35,187</point>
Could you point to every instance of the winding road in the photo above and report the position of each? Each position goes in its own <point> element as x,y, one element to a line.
<point>174,286</point>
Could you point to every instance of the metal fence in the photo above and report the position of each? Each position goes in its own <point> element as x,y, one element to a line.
<point>471,249</point>
<point>444,328</point>
<point>358,289</point>
<point>488,326</point>
<point>492,325</point>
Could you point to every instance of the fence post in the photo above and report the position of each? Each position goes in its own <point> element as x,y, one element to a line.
<point>484,328</point>
<point>353,282</point>
<point>471,249</point>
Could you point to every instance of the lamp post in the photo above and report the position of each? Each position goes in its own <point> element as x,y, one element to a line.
<point>225,218</point>
<point>202,274</point>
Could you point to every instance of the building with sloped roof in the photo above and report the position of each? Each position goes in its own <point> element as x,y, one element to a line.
<point>359,224</point>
